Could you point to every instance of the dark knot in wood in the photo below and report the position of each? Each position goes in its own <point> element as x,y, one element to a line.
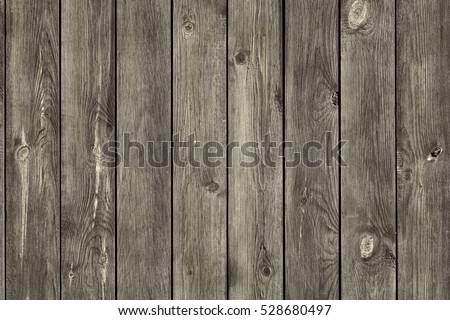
<point>212,187</point>
<point>432,156</point>
<point>241,58</point>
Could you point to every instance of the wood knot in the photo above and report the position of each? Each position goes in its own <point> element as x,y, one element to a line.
<point>389,258</point>
<point>432,156</point>
<point>71,274</point>
<point>212,187</point>
<point>241,57</point>
<point>304,200</point>
<point>23,153</point>
<point>358,14</point>
<point>366,246</point>
<point>266,271</point>
<point>188,28</point>
<point>103,260</point>
<point>335,99</point>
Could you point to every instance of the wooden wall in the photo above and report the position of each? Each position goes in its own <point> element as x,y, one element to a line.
<point>78,74</point>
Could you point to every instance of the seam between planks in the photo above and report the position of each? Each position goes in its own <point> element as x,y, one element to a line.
<point>4,148</point>
<point>395,148</point>
<point>116,162</point>
<point>339,140</point>
<point>60,149</point>
<point>283,79</point>
<point>226,161</point>
<point>171,151</point>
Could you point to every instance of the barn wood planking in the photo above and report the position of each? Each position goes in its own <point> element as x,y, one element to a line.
<point>32,150</point>
<point>368,200</point>
<point>312,109</point>
<point>255,110</point>
<point>423,133</point>
<point>255,269</point>
<point>199,108</point>
<point>144,111</point>
<point>88,116</point>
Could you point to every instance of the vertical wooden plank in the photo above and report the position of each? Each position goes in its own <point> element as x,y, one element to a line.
<point>32,150</point>
<point>199,197</point>
<point>255,110</point>
<point>312,110</point>
<point>423,51</point>
<point>2,150</point>
<point>88,115</point>
<point>368,122</point>
<point>144,109</point>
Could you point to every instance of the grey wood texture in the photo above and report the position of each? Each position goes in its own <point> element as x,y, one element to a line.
<point>88,116</point>
<point>423,133</point>
<point>32,150</point>
<point>2,150</point>
<point>255,200</point>
<point>312,109</point>
<point>368,200</point>
<point>371,72</point>
<point>144,111</point>
<point>199,108</point>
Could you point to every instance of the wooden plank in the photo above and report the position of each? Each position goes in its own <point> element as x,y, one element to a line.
<point>88,115</point>
<point>2,152</point>
<point>423,169</point>
<point>312,110</point>
<point>368,122</point>
<point>32,150</point>
<point>144,110</point>
<point>255,110</point>
<point>199,108</point>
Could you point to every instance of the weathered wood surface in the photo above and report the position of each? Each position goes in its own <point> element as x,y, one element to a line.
<point>368,200</point>
<point>32,150</point>
<point>88,116</point>
<point>144,111</point>
<point>199,108</point>
<point>423,134</point>
<point>312,109</point>
<point>255,114</point>
<point>2,150</point>
<point>371,72</point>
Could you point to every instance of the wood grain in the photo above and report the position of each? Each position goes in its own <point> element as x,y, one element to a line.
<point>423,169</point>
<point>255,114</point>
<point>144,112</point>
<point>368,122</point>
<point>199,194</point>
<point>312,214</point>
<point>88,115</point>
<point>2,152</point>
<point>32,150</point>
